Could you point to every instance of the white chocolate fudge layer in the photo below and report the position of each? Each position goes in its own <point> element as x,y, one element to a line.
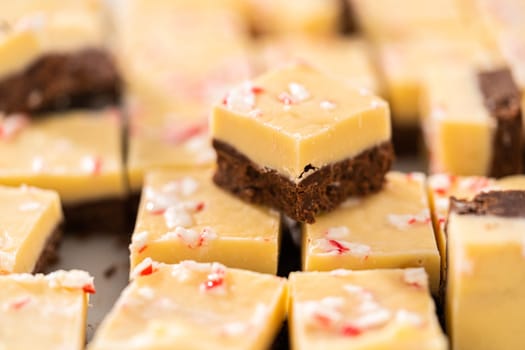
<point>166,139</point>
<point>390,229</point>
<point>312,17</point>
<point>46,310</point>
<point>363,310</point>
<point>342,58</point>
<point>485,293</point>
<point>295,116</point>
<point>213,307</point>
<point>28,218</point>
<point>183,215</point>
<point>169,61</point>
<point>458,127</point>
<point>404,65</point>
<point>78,154</point>
<point>396,19</point>
<point>443,186</point>
<point>34,28</point>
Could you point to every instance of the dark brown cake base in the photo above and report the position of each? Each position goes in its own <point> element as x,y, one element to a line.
<point>49,254</point>
<point>57,81</point>
<point>502,99</point>
<point>107,215</point>
<point>321,191</point>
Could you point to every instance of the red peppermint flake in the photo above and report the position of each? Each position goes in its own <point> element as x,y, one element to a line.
<point>351,331</point>
<point>225,100</point>
<point>215,280</point>
<point>257,90</point>
<point>441,220</point>
<point>412,221</point>
<point>440,191</point>
<point>89,288</point>
<point>97,166</point>
<point>179,135</point>
<point>146,271</point>
<point>285,98</point>
<point>338,246</point>
<point>18,304</point>
<point>199,207</point>
<point>142,249</point>
<point>323,320</point>
<point>159,211</point>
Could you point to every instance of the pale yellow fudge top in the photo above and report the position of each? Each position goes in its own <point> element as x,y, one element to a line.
<point>33,28</point>
<point>295,116</point>
<point>405,63</point>
<point>28,216</point>
<point>314,17</point>
<point>346,59</point>
<point>77,153</point>
<point>396,220</point>
<point>48,312</point>
<point>448,115</point>
<point>185,63</point>
<point>444,186</point>
<point>194,305</point>
<point>374,309</point>
<point>395,19</point>
<point>186,206</point>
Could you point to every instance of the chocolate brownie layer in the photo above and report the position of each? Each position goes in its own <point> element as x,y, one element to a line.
<point>50,253</point>
<point>502,99</point>
<point>56,81</point>
<point>107,215</point>
<point>320,191</point>
<point>496,203</point>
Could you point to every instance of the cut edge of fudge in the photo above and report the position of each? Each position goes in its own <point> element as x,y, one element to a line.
<point>321,190</point>
<point>502,98</point>
<point>58,81</point>
<point>49,254</point>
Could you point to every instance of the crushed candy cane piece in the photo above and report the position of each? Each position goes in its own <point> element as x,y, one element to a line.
<point>20,302</point>
<point>408,317</point>
<point>405,221</point>
<point>29,206</point>
<point>322,313</point>
<point>327,105</point>
<point>92,164</point>
<point>339,232</point>
<point>139,241</point>
<point>298,92</point>
<point>338,247</point>
<point>215,280</point>
<point>241,99</point>
<point>12,125</point>
<point>145,268</point>
<point>416,277</point>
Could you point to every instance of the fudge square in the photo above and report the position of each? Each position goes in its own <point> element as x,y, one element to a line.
<point>183,215</point>
<point>46,310</point>
<point>486,274</point>
<point>477,132</point>
<point>300,142</point>
<point>213,307</point>
<point>363,310</point>
<point>30,221</point>
<point>389,229</point>
<point>53,56</point>
<point>76,153</point>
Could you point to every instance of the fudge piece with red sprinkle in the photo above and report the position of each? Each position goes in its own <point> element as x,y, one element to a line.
<point>389,229</point>
<point>375,309</point>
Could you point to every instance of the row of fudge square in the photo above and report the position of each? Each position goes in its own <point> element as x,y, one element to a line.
<point>223,308</point>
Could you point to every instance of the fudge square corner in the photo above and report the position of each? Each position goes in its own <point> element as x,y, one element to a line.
<point>301,142</point>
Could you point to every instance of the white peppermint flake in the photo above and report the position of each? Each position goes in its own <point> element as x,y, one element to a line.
<point>416,277</point>
<point>69,279</point>
<point>37,164</point>
<point>178,216</point>
<point>146,292</point>
<point>12,124</point>
<point>327,105</point>
<point>242,98</point>
<point>440,181</point>
<point>339,232</point>
<point>405,221</point>
<point>372,319</point>
<point>328,308</point>
<point>298,92</point>
<point>29,206</point>
<point>408,317</point>
<point>139,240</point>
